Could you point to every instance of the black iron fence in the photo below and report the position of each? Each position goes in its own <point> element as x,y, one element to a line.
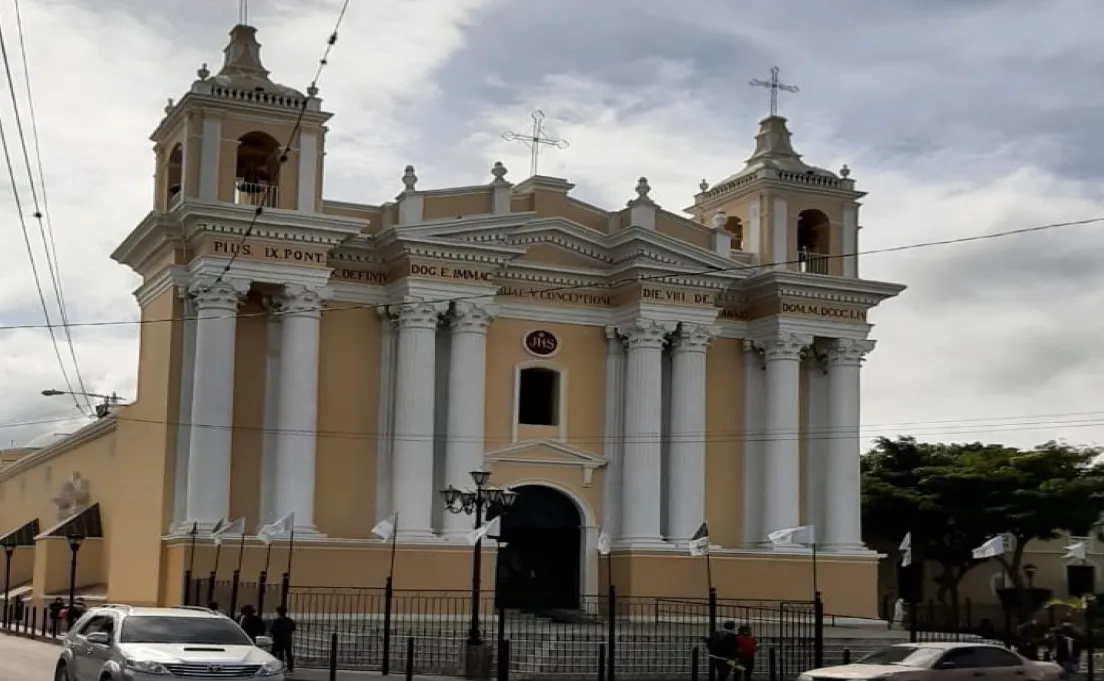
<point>635,637</point>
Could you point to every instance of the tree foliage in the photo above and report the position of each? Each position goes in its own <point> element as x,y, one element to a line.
<point>953,497</point>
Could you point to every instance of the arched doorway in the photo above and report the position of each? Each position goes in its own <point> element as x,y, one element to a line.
<point>540,563</point>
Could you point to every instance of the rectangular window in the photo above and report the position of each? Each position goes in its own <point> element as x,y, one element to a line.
<point>539,397</point>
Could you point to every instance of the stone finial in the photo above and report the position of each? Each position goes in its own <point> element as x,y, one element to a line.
<point>312,90</point>
<point>845,172</point>
<point>499,172</point>
<point>169,106</point>
<point>203,72</point>
<point>703,185</point>
<point>409,179</point>
<point>719,219</point>
<point>642,189</point>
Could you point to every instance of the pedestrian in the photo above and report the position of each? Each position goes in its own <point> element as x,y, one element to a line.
<point>1066,642</point>
<point>282,630</point>
<point>251,623</point>
<point>1029,636</point>
<point>722,651</point>
<point>900,613</point>
<point>746,648</point>
<point>213,606</point>
<point>57,607</point>
<point>74,612</point>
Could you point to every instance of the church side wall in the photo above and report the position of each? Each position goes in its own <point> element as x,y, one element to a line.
<point>724,497</point>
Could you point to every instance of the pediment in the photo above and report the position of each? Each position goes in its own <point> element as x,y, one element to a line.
<point>548,453</point>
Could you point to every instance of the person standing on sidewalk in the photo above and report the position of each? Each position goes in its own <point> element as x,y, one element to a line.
<point>282,631</point>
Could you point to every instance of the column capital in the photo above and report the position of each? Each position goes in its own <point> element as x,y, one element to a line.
<point>297,299</point>
<point>849,351</point>
<point>694,337</point>
<point>471,317</point>
<point>785,346</point>
<point>225,293</point>
<point>417,315</point>
<point>646,333</point>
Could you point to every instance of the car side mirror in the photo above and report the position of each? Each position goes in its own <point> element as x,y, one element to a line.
<point>264,642</point>
<point>99,638</point>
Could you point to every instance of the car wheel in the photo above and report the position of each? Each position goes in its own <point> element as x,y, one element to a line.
<point>61,672</point>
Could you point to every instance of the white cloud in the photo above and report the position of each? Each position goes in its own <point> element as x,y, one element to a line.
<point>951,136</point>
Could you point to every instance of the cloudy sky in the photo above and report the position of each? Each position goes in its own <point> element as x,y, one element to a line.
<point>959,118</point>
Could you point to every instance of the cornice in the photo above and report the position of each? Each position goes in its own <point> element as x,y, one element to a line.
<point>391,246</point>
<point>191,101</point>
<point>159,283</point>
<point>273,223</point>
<point>820,287</point>
<point>152,236</point>
<point>93,431</point>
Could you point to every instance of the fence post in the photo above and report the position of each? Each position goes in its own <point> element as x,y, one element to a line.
<point>333,656</point>
<point>611,633</point>
<point>910,614</point>
<point>285,589</point>
<point>262,587</point>
<point>410,659</point>
<point>712,623</point>
<point>187,587</point>
<point>818,630</point>
<point>1090,616</point>
<point>211,588</point>
<point>235,584</point>
<point>388,596</point>
<point>502,646</point>
<point>694,661</point>
<point>847,656</point>
<point>504,661</point>
<point>772,664</point>
<point>601,662</point>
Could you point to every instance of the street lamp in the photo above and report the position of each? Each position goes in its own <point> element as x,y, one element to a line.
<point>1029,572</point>
<point>9,551</point>
<point>475,502</point>
<point>75,541</point>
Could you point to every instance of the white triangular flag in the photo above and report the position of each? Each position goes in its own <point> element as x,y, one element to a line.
<point>906,550</point>
<point>1078,550</point>
<point>699,543</point>
<point>802,534</point>
<point>280,528</point>
<point>491,527</point>
<point>232,529</point>
<point>385,529</point>
<point>605,544</point>
<point>993,547</point>
<point>221,523</point>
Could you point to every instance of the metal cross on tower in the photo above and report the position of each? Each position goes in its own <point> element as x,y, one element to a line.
<point>535,140</point>
<point>774,85</point>
<point>243,12</point>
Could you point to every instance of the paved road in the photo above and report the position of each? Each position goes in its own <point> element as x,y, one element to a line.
<point>26,660</point>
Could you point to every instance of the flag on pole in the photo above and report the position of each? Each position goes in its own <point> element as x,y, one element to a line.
<point>385,529</point>
<point>278,529</point>
<point>231,529</point>
<point>802,534</point>
<point>993,547</point>
<point>491,527</point>
<point>221,523</point>
<point>906,550</point>
<point>699,543</point>
<point>1078,550</point>
<point>605,544</point>
<point>195,529</point>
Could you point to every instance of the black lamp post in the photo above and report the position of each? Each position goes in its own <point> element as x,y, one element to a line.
<point>9,551</point>
<point>475,502</point>
<point>1029,572</point>
<point>75,541</point>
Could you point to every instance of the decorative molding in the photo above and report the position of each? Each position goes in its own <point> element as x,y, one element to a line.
<point>468,317</point>
<point>646,333</point>
<point>785,346</point>
<point>849,351</point>
<point>694,337</point>
<point>418,315</point>
<point>562,455</point>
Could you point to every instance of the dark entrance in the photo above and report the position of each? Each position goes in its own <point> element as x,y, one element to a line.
<point>538,568</point>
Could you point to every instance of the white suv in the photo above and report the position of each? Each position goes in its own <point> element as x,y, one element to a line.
<point>123,643</point>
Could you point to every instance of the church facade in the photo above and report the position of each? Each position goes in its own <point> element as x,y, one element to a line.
<point>632,371</point>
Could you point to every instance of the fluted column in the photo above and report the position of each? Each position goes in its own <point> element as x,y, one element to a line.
<point>614,431</point>
<point>754,424</point>
<point>842,501</point>
<point>781,451</point>
<point>300,310</point>
<point>208,494</point>
<point>686,458</point>
<point>642,459</point>
<point>412,454</point>
<point>466,401</point>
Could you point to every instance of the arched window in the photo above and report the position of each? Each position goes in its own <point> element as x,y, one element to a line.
<point>174,175</point>
<point>258,170</point>
<point>813,234</point>
<point>736,228</point>
<point>538,395</point>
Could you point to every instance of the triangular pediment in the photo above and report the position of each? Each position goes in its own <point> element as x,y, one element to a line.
<point>546,452</point>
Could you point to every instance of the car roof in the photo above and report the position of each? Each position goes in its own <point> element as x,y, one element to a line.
<point>193,612</point>
<point>947,645</point>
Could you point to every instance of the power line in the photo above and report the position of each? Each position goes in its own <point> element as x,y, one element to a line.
<point>23,227</point>
<point>46,231</point>
<point>312,90</point>
<point>611,285</point>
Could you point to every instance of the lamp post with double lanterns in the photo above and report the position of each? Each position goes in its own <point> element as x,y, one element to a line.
<point>75,541</point>
<point>476,502</point>
<point>9,551</point>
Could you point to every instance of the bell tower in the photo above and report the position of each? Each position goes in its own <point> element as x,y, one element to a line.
<point>238,137</point>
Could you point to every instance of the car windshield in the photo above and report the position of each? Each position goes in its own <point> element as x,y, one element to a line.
<point>211,631</point>
<point>905,656</point>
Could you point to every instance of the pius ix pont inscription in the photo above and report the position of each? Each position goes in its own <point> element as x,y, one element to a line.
<point>247,250</point>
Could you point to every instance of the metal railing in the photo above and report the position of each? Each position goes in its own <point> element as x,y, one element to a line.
<point>256,194</point>
<point>812,262</point>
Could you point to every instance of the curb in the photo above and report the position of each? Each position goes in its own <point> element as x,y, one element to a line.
<point>33,637</point>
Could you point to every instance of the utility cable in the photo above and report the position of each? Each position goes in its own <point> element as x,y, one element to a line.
<point>611,285</point>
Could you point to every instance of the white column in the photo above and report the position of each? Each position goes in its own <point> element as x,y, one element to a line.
<point>212,399</point>
<point>300,310</point>
<point>308,171</point>
<point>271,438</point>
<point>643,472</point>
<point>385,504</point>
<point>843,526</point>
<point>686,461</point>
<point>466,401</point>
<point>614,431</point>
<point>184,410</point>
<point>209,151</point>
<point>754,429</point>
<point>781,451</point>
<point>817,437</point>
<point>412,457</point>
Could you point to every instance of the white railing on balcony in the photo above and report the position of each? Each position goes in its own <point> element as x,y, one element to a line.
<point>812,262</point>
<point>176,195</point>
<point>256,194</point>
